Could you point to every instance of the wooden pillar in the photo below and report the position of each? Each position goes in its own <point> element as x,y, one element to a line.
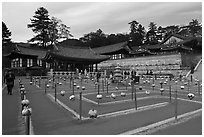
<point>43,64</point>
<point>83,67</point>
<point>96,67</point>
<point>24,62</point>
<point>34,61</point>
<point>55,65</point>
<point>91,68</point>
<point>73,67</point>
<point>65,66</point>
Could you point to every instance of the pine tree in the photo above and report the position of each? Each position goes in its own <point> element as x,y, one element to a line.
<point>137,33</point>
<point>151,37</point>
<point>6,34</point>
<point>195,27</point>
<point>40,26</point>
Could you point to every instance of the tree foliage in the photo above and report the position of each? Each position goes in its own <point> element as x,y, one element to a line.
<point>151,36</point>
<point>6,35</point>
<point>172,29</point>
<point>139,36</point>
<point>99,38</point>
<point>195,27</point>
<point>94,39</point>
<point>40,26</point>
<point>48,31</point>
<point>137,33</point>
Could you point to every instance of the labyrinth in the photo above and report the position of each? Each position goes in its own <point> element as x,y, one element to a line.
<point>139,108</point>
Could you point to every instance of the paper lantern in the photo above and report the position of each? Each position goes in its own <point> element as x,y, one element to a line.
<point>123,94</point>
<point>113,95</point>
<point>72,98</point>
<point>161,90</point>
<point>62,92</point>
<point>147,92</point>
<point>83,88</point>
<point>99,96</point>
<point>191,96</point>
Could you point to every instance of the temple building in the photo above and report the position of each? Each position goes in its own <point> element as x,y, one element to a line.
<point>172,54</point>
<point>25,58</point>
<point>116,51</point>
<point>70,58</point>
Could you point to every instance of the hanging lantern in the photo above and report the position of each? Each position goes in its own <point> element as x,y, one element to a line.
<point>99,96</point>
<point>123,94</point>
<point>191,96</point>
<point>26,112</point>
<point>83,88</point>
<point>147,92</point>
<point>62,92</point>
<point>72,97</point>
<point>162,90</point>
<point>48,85</point>
<point>113,95</point>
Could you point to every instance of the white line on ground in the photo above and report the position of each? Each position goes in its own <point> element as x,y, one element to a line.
<point>88,100</point>
<point>120,112</point>
<point>121,101</point>
<point>64,106</point>
<point>107,115</point>
<point>133,110</point>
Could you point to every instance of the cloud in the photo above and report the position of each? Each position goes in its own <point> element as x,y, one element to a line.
<point>111,17</point>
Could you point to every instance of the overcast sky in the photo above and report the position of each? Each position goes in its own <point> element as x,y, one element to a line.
<point>111,17</point>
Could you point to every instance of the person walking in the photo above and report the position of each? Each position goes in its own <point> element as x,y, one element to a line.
<point>10,81</point>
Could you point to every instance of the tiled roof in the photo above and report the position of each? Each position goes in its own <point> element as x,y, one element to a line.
<point>164,46</point>
<point>27,50</point>
<point>112,48</point>
<point>147,46</point>
<point>175,35</point>
<point>77,53</point>
<point>64,52</point>
<point>143,51</point>
<point>176,47</point>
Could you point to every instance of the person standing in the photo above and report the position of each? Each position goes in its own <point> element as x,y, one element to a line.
<point>10,81</point>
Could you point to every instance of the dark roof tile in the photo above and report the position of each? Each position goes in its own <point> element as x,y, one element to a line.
<point>74,52</point>
<point>112,48</point>
<point>26,49</point>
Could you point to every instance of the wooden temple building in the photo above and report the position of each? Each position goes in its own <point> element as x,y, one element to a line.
<point>25,58</point>
<point>172,54</point>
<point>63,57</point>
